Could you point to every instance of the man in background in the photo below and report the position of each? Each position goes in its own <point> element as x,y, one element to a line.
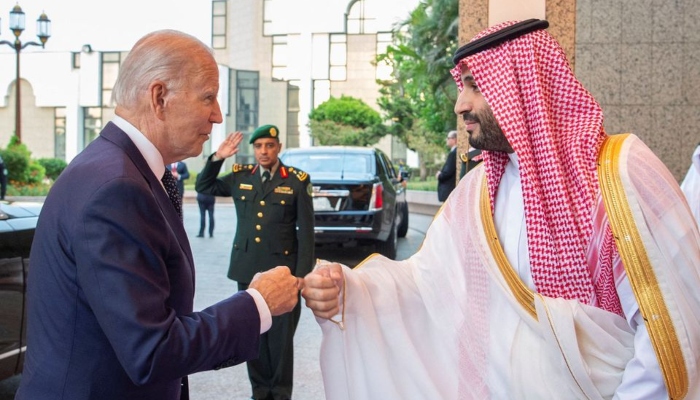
<point>447,176</point>
<point>111,288</point>
<point>275,226</point>
<point>3,179</point>
<point>180,174</point>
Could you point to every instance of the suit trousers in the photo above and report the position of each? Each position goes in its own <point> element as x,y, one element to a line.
<point>271,375</point>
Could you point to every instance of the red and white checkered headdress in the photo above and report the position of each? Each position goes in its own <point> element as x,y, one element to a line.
<point>556,129</point>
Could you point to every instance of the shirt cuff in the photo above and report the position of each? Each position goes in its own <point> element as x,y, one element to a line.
<point>214,158</point>
<point>263,310</point>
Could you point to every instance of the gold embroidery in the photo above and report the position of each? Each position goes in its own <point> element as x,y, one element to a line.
<point>522,293</point>
<point>639,270</point>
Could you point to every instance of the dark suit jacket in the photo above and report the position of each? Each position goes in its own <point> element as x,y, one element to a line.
<point>181,169</point>
<point>275,226</point>
<point>448,178</point>
<point>111,286</point>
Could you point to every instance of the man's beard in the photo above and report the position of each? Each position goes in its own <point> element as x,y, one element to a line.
<point>490,136</point>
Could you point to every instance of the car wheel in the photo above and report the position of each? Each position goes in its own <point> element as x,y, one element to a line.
<point>388,248</point>
<point>403,226</point>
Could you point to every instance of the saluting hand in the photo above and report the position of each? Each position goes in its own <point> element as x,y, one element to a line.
<point>322,288</point>
<point>229,146</point>
<point>279,288</point>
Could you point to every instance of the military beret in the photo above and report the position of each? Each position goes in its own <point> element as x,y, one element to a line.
<point>494,39</point>
<point>265,131</point>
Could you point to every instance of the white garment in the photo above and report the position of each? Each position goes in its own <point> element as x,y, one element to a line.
<point>691,184</point>
<point>427,327</point>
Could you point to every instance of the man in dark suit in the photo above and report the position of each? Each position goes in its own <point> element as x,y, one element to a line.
<point>111,286</point>
<point>3,179</point>
<point>180,174</point>
<point>447,177</point>
<point>275,227</point>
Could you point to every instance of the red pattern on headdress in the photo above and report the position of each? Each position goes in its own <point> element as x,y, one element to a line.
<point>556,129</point>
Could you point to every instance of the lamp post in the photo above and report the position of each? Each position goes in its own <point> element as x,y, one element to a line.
<point>43,28</point>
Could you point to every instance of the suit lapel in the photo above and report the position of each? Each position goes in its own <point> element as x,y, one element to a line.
<point>115,135</point>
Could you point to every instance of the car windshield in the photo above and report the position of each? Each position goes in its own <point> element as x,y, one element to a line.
<point>339,163</point>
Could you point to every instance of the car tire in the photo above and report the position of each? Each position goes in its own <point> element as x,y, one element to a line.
<point>403,226</point>
<point>388,248</point>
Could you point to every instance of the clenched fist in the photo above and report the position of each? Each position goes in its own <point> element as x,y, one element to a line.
<point>279,288</point>
<point>322,288</point>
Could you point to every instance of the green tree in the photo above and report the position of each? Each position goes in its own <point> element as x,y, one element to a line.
<point>419,100</point>
<point>345,121</point>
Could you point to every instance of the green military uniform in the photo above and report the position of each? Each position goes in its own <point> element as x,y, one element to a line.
<point>266,234</point>
<point>275,227</point>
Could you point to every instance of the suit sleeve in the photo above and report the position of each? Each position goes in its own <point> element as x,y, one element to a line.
<point>305,231</point>
<point>128,262</point>
<point>449,170</point>
<point>209,183</point>
<point>184,172</point>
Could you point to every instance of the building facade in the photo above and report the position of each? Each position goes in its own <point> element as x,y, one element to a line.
<point>281,58</point>
<point>273,70</point>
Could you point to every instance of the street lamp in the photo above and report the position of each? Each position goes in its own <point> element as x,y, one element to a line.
<point>43,28</point>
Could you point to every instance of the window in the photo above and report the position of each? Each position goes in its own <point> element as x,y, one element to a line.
<point>110,71</point>
<point>357,20</point>
<point>384,69</point>
<point>218,24</point>
<point>293,114</point>
<point>59,132</point>
<point>280,57</point>
<point>338,57</point>
<point>92,124</point>
<point>247,93</point>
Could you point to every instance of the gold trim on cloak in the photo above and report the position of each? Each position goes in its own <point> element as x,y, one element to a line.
<point>522,293</point>
<point>640,271</point>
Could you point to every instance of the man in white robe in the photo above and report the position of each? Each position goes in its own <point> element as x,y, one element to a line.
<point>691,184</point>
<point>564,267</point>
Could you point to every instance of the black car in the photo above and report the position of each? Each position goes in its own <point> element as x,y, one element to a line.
<point>358,196</point>
<point>17,225</point>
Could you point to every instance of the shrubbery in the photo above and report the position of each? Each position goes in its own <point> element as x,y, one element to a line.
<point>53,166</point>
<point>27,176</point>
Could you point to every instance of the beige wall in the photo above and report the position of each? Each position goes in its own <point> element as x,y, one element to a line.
<point>37,122</point>
<point>639,59</point>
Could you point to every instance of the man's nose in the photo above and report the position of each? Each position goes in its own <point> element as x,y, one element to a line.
<point>216,116</point>
<point>463,103</point>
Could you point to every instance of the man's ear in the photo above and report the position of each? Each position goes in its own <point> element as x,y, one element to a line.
<point>157,92</point>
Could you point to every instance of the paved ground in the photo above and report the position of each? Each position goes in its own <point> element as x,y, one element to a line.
<point>211,259</point>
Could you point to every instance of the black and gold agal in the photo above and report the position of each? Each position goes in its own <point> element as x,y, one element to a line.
<point>494,39</point>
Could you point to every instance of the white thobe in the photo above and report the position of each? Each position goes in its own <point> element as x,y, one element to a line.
<point>436,325</point>
<point>642,377</point>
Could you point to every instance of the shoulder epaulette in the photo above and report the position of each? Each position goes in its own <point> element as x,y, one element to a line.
<point>242,167</point>
<point>301,175</point>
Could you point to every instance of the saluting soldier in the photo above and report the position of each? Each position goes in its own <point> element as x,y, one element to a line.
<point>275,227</point>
